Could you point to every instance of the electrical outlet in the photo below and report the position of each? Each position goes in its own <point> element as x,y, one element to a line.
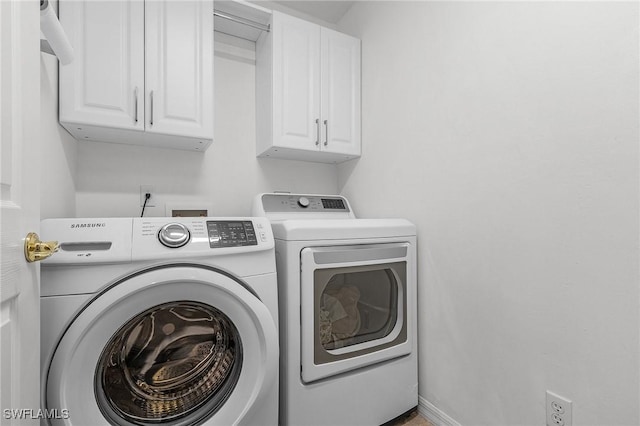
<point>148,189</point>
<point>558,410</point>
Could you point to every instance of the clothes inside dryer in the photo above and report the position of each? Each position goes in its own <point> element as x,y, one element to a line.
<point>357,307</point>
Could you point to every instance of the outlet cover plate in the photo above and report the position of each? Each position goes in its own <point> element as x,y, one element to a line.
<point>559,410</point>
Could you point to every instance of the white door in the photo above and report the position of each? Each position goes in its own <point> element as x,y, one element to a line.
<point>179,79</point>
<point>340,93</point>
<point>296,83</point>
<point>104,86</point>
<point>19,209</point>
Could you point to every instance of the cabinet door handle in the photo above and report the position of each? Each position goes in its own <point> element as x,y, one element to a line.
<point>326,132</point>
<point>317,131</point>
<point>135,104</point>
<point>151,106</point>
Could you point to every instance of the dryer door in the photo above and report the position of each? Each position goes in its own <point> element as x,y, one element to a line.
<point>354,309</point>
<point>177,345</point>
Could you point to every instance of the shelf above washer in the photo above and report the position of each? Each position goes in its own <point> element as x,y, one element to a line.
<point>241,19</point>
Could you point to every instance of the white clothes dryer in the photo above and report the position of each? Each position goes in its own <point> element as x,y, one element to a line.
<point>160,321</point>
<point>347,298</point>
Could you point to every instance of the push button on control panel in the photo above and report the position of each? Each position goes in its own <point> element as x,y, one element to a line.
<point>303,202</point>
<point>174,235</point>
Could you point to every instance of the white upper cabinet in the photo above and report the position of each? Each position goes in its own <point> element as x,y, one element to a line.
<point>296,82</point>
<point>104,84</point>
<point>308,92</point>
<point>340,92</point>
<point>143,72</point>
<point>179,68</point>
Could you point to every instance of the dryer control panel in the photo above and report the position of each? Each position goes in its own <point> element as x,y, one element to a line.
<point>291,206</point>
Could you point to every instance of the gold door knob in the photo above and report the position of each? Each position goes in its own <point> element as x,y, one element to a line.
<point>36,250</point>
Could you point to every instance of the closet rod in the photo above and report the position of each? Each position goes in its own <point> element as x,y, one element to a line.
<point>243,21</point>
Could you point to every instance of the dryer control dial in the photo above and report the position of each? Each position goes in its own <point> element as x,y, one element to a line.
<point>174,235</point>
<point>303,202</point>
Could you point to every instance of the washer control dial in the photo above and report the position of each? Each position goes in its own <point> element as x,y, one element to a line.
<point>174,235</point>
<point>303,202</point>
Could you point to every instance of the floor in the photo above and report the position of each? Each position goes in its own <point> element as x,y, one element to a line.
<point>413,419</point>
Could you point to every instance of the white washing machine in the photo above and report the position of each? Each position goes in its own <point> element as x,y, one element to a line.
<point>347,297</point>
<point>160,321</point>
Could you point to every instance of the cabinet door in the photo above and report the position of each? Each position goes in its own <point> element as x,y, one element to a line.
<point>296,83</point>
<point>179,68</point>
<point>100,86</point>
<point>340,93</point>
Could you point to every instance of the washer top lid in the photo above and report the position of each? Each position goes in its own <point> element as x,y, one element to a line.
<point>345,229</point>
<point>283,206</point>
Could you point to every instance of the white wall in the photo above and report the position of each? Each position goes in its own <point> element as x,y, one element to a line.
<point>508,132</point>
<point>228,175</point>
<point>58,149</point>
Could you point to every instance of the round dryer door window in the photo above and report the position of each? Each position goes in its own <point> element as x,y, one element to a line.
<point>180,345</point>
<point>167,362</point>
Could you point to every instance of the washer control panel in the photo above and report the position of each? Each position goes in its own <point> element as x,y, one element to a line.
<point>231,233</point>
<point>113,240</point>
<point>173,238</point>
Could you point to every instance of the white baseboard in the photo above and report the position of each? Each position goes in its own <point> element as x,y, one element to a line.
<point>432,413</point>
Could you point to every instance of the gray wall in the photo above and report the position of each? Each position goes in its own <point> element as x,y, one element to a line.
<point>58,149</point>
<point>508,132</point>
